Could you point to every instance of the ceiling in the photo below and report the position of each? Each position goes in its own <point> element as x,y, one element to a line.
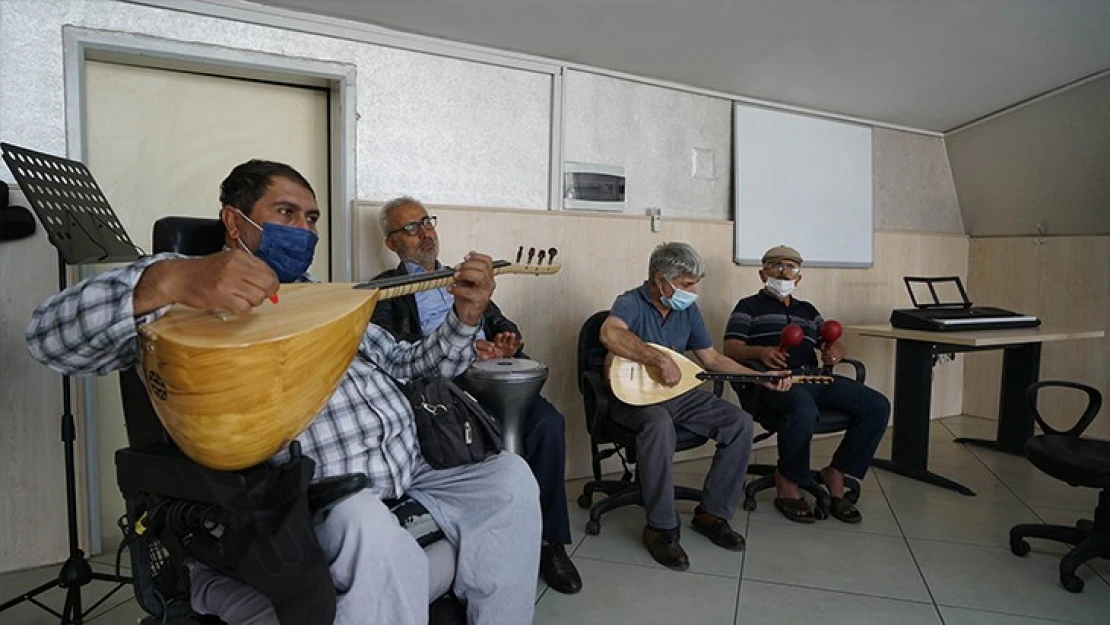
<point>924,64</point>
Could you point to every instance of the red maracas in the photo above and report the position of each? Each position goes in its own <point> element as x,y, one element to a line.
<point>831,331</point>
<point>792,336</point>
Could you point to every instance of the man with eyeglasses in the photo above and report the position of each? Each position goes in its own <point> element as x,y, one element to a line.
<point>411,233</point>
<point>754,333</point>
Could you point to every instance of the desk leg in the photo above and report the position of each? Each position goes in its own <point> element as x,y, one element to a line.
<point>1021,366</point>
<point>913,385</point>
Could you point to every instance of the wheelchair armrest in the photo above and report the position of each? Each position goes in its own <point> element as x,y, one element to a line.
<point>166,472</point>
<point>325,494</point>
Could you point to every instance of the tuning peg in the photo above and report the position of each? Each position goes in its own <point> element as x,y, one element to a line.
<point>519,253</point>
<point>539,257</point>
<point>551,255</point>
<point>531,254</point>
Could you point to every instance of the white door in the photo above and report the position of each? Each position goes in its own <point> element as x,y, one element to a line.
<point>159,143</point>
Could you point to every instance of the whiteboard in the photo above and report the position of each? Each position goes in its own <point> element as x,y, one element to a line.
<point>805,182</point>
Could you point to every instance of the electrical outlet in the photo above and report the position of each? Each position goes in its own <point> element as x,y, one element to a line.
<point>656,223</point>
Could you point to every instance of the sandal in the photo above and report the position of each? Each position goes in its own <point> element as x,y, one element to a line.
<point>844,510</point>
<point>795,509</point>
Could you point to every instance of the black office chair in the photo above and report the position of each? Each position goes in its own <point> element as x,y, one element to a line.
<point>828,422</point>
<point>170,496</point>
<point>617,439</point>
<point>1078,461</point>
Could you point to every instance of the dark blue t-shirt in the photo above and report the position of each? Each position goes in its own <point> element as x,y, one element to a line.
<point>681,330</point>
<point>758,320</point>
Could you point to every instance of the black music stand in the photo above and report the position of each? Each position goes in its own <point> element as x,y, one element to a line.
<point>80,223</point>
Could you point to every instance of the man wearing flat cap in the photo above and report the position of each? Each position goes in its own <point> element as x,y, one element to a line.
<point>753,334</point>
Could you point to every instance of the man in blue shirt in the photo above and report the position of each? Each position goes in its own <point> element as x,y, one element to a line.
<point>662,311</point>
<point>753,334</point>
<point>410,232</point>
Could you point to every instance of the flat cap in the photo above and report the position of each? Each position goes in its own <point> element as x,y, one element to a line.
<point>782,252</point>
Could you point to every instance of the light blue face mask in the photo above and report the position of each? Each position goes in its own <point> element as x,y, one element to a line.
<point>679,300</point>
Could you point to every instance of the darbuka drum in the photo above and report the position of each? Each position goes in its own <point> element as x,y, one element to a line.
<point>506,387</point>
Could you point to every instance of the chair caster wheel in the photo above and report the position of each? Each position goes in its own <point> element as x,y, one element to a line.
<point>593,528</point>
<point>820,513</point>
<point>1071,583</point>
<point>1020,547</point>
<point>585,501</point>
<point>749,505</point>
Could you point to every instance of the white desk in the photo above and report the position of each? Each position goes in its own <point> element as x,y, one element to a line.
<point>913,382</point>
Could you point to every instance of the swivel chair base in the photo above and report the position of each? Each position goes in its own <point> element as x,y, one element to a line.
<point>621,493</point>
<point>1091,539</point>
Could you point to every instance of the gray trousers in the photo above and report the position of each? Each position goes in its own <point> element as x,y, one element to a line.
<point>489,511</point>
<point>703,414</point>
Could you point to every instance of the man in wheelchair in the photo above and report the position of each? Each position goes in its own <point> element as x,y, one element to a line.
<point>489,511</point>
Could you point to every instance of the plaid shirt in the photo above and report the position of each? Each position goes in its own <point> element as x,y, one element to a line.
<point>366,427</point>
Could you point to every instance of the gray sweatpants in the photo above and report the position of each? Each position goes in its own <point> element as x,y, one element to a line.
<point>704,414</point>
<point>489,511</point>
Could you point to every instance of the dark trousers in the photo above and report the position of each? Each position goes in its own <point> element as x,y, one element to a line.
<point>798,409</point>
<point>545,451</point>
<point>703,414</point>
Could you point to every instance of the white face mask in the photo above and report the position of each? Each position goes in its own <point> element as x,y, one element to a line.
<point>780,287</point>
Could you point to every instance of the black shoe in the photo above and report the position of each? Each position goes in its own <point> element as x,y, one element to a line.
<point>717,530</point>
<point>558,571</point>
<point>663,546</point>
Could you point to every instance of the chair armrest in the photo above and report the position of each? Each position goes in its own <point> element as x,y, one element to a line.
<point>1094,404</point>
<point>597,397</point>
<point>860,369</point>
<point>718,388</point>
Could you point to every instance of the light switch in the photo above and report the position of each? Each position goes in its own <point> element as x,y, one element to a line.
<point>703,163</point>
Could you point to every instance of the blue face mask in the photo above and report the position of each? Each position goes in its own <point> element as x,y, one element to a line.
<point>679,300</point>
<point>287,250</point>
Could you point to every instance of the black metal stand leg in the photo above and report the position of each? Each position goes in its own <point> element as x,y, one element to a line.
<point>913,385</point>
<point>921,475</point>
<point>1021,366</point>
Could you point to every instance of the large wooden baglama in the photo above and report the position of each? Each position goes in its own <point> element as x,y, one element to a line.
<point>639,385</point>
<point>231,392</point>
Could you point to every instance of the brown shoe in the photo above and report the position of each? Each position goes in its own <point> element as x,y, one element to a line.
<point>717,530</point>
<point>663,546</point>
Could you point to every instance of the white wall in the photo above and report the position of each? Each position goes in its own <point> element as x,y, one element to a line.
<point>1049,161</point>
<point>32,501</point>
<point>912,187</point>
<point>652,132</point>
<point>449,130</point>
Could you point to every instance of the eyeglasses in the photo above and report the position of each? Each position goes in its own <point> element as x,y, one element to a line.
<point>788,270</point>
<point>412,227</point>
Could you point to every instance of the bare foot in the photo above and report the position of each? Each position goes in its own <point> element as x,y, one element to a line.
<point>834,481</point>
<point>786,488</point>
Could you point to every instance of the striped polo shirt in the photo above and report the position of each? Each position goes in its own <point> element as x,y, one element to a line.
<point>760,318</point>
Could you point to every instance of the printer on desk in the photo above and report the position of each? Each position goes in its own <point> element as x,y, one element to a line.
<point>953,316</point>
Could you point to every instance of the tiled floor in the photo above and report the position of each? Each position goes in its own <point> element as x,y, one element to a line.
<point>922,555</point>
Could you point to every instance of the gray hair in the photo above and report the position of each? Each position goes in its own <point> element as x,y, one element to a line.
<point>675,259</point>
<point>392,205</point>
